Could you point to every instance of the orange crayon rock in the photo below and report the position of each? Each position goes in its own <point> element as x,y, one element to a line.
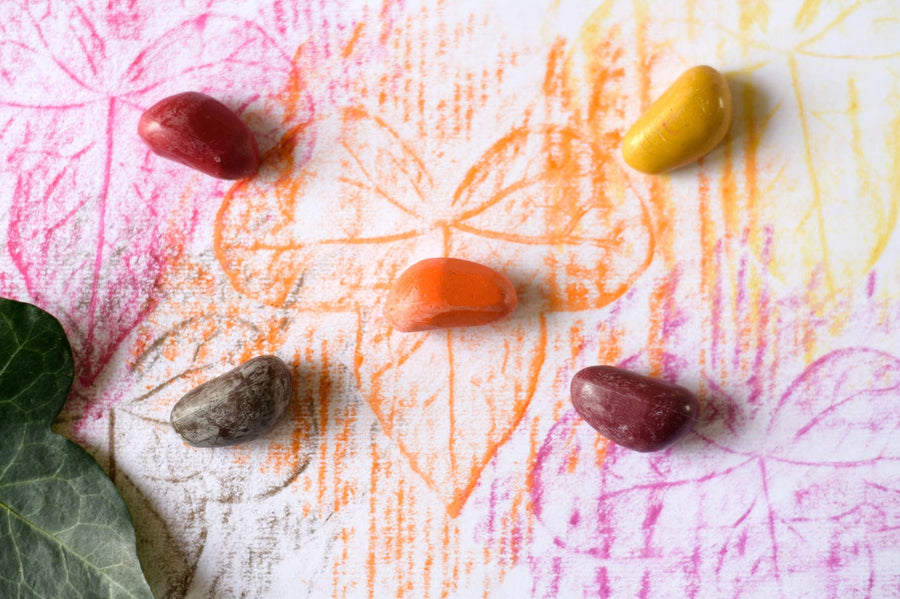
<point>440,293</point>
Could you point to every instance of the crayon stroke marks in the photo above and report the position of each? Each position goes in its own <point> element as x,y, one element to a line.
<point>334,234</point>
<point>296,476</point>
<point>825,188</point>
<point>751,333</point>
<point>346,201</point>
<point>205,335</point>
<point>843,401</point>
<point>366,194</point>
<point>94,220</point>
<point>828,458</point>
<point>447,414</point>
<point>553,188</point>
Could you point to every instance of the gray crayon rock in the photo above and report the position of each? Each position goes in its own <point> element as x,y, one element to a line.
<point>238,406</point>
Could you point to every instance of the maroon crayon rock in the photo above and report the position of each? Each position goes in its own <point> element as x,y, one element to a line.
<point>202,133</point>
<point>632,410</point>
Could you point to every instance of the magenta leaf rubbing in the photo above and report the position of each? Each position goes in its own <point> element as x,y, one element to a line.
<point>812,502</point>
<point>835,525</point>
<point>842,409</point>
<point>599,503</point>
<point>90,253</point>
<point>95,219</point>
<point>586,490</point>
<point>227,55</point>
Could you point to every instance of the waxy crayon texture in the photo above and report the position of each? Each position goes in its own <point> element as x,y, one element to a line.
<point>450,463</point>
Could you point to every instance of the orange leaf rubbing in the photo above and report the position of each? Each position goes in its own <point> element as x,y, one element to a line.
<point>451,398</point>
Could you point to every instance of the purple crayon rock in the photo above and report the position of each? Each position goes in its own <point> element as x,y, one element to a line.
<point>632,410</point>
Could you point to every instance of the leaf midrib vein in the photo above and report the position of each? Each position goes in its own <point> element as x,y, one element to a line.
<point>12,461</point>
<point>20,345</point>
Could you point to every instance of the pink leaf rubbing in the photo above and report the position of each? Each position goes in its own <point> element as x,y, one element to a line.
<point>95,218</point>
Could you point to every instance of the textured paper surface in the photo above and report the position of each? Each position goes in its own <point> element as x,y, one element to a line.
<point>765,278</point>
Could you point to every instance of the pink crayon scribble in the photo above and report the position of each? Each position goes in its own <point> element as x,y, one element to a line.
<point>845,401</point>
<point>813,507</point>
<point>95,219</point>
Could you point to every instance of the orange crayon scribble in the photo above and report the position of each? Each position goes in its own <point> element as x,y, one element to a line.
<point>660,308</point>
<point>268,249</point>
<point>754,124</point>
<point>283,457</point>
<point>535,440</point>
<point>294,98</point>
<point>404,546</point>
<point>371,559</point>
<point>576,341</point>
<point>570,216</point>
<point>447,457</point>
<point>555,87</point>
<point>347,52</point>
<point>733,203</point>
<point>759,326</point>
<point>566,199</point>
<point>601,448</point>
<point>663,208</point>
<point>709,241</point>
<point>249,205</point>
<point>213,334</point>
<point>572,458</point>
<point>375,180</point>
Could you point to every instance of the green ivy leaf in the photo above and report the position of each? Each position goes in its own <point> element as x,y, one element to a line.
<point>64,529</point>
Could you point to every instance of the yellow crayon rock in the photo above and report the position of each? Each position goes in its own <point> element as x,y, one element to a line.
<point>686,122</point>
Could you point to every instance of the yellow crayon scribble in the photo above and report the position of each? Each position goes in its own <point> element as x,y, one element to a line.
<point>816,207</point>
<point>754,13</point>
<point>806,21</point>
<point>807,14</point>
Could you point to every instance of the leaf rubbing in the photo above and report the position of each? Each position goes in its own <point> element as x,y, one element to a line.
<point>539,204</point>
<point>64,530</point>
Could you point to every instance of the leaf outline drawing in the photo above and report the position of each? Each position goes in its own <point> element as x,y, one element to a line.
<point>821,149</point>
<point>613,504</point>
<point>94,221</point>
<point>278,243</point>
